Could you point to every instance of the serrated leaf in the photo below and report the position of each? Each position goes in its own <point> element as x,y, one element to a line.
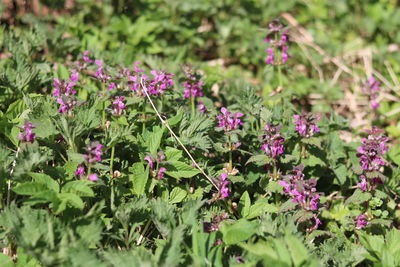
<point>244,204</point>
<point>358,197</point>
<point>259,159</point>
<point>139,177</point>
<point>173,154</point>
<point>154,140</point>
<point>30,188</point>
<point>178,169</point>
<point>72,199</point>
<point>177,195</point>
<point>240,230</point>
<point>288,205</point>
<point>80,188</point>
<point>303,215</point>
<point>341,173</point>
<point>297,250</point>
<point>46,180</point>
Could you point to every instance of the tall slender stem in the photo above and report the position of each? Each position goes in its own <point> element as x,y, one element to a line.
<point>192,102</point>
<point>112,160</point>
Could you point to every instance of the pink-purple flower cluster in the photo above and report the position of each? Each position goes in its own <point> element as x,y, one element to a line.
<point>27,135</point>
<point>94,153</point>
<point>371,89</point>
<point>272,141</point>
<point>118,105</point>
<point>277,38</point>
<point>100,73</point>
<point>361,222</point>
<point>301,191</point>
<point>193,87</point>
<point>65,93</point>
<point>159,174</point>
<point>371,158</point>
<point>161,81</point>
<point>223,185</point>
<point>229,121</point>
<point>306,124</point>
<point>202,107</point>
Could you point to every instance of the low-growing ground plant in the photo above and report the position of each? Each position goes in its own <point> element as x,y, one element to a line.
<point>156,163</point>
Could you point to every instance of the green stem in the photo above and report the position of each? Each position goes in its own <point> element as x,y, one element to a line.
<point>144,117</point>
<point>103,117</point>
<point>192,102</point>
<point>112,161</point>
<point>230,153</point>
<point>280,75</point>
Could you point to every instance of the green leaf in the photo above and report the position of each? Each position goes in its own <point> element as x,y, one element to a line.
<point>177,195</point>
<point>176,119</point>
<point>154,140</point>
<point>297,249</point>
<point>173,154</point>
<point>358,197</point>
<point>240,230</point>
<point>259,159</point>
<point>178,169</point>
<point>139,177</point>
<point>341,173</point>
<point>244,204</point>
<point>45,179</point>
<point>30,188</point>
<point>72,199</point>
<point>288,205</point>
<point>80,188</point>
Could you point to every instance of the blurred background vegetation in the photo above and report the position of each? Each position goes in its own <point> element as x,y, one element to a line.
<point>335,47</point>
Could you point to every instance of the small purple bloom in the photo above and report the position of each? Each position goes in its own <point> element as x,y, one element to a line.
<point>229,121</point>
<point>371,89</point>
<point>93,177</point>
<point>371,157</point>
<point>94,152</point>
<point>193,87</point>
<point>202,107</point>
<point>112,86</point>
<point>161,81</point>
<point>361,222</point>
<point>161,171</point>
<point>277,39</point>
<point>301,191</point>
<point>150,161</point>
<point>273,141</point>
<point>118,105</point>
<point>305,124</point>
<point>80,170</point>
<point>86,58</point>
<point>223,185</point>
<point>27,135</point>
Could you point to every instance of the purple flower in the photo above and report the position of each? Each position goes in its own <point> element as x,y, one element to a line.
<point>93,177</point>
<point>371,89</point>
<point>86,57</point>
<point>363,185</point>
<point>27,135</point>
<point>112,86</point>
<point>371,157</point>
<point>277,39</point>
<point>94,152</point>
<point>273,141</point>
<point>64,92</point>
<point>150,161</point>
<point>229,121</point>
<point>161,81</point>
<point>305,124</point>
<point>301,191</point>
<point>361,222</point>
<point>80,170</point>
<point>223,185</point>
<point>161,171</point>
<point>100,74</point>
<point>192,87</point>
<point>202,107</point>
<point>118,105</point>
